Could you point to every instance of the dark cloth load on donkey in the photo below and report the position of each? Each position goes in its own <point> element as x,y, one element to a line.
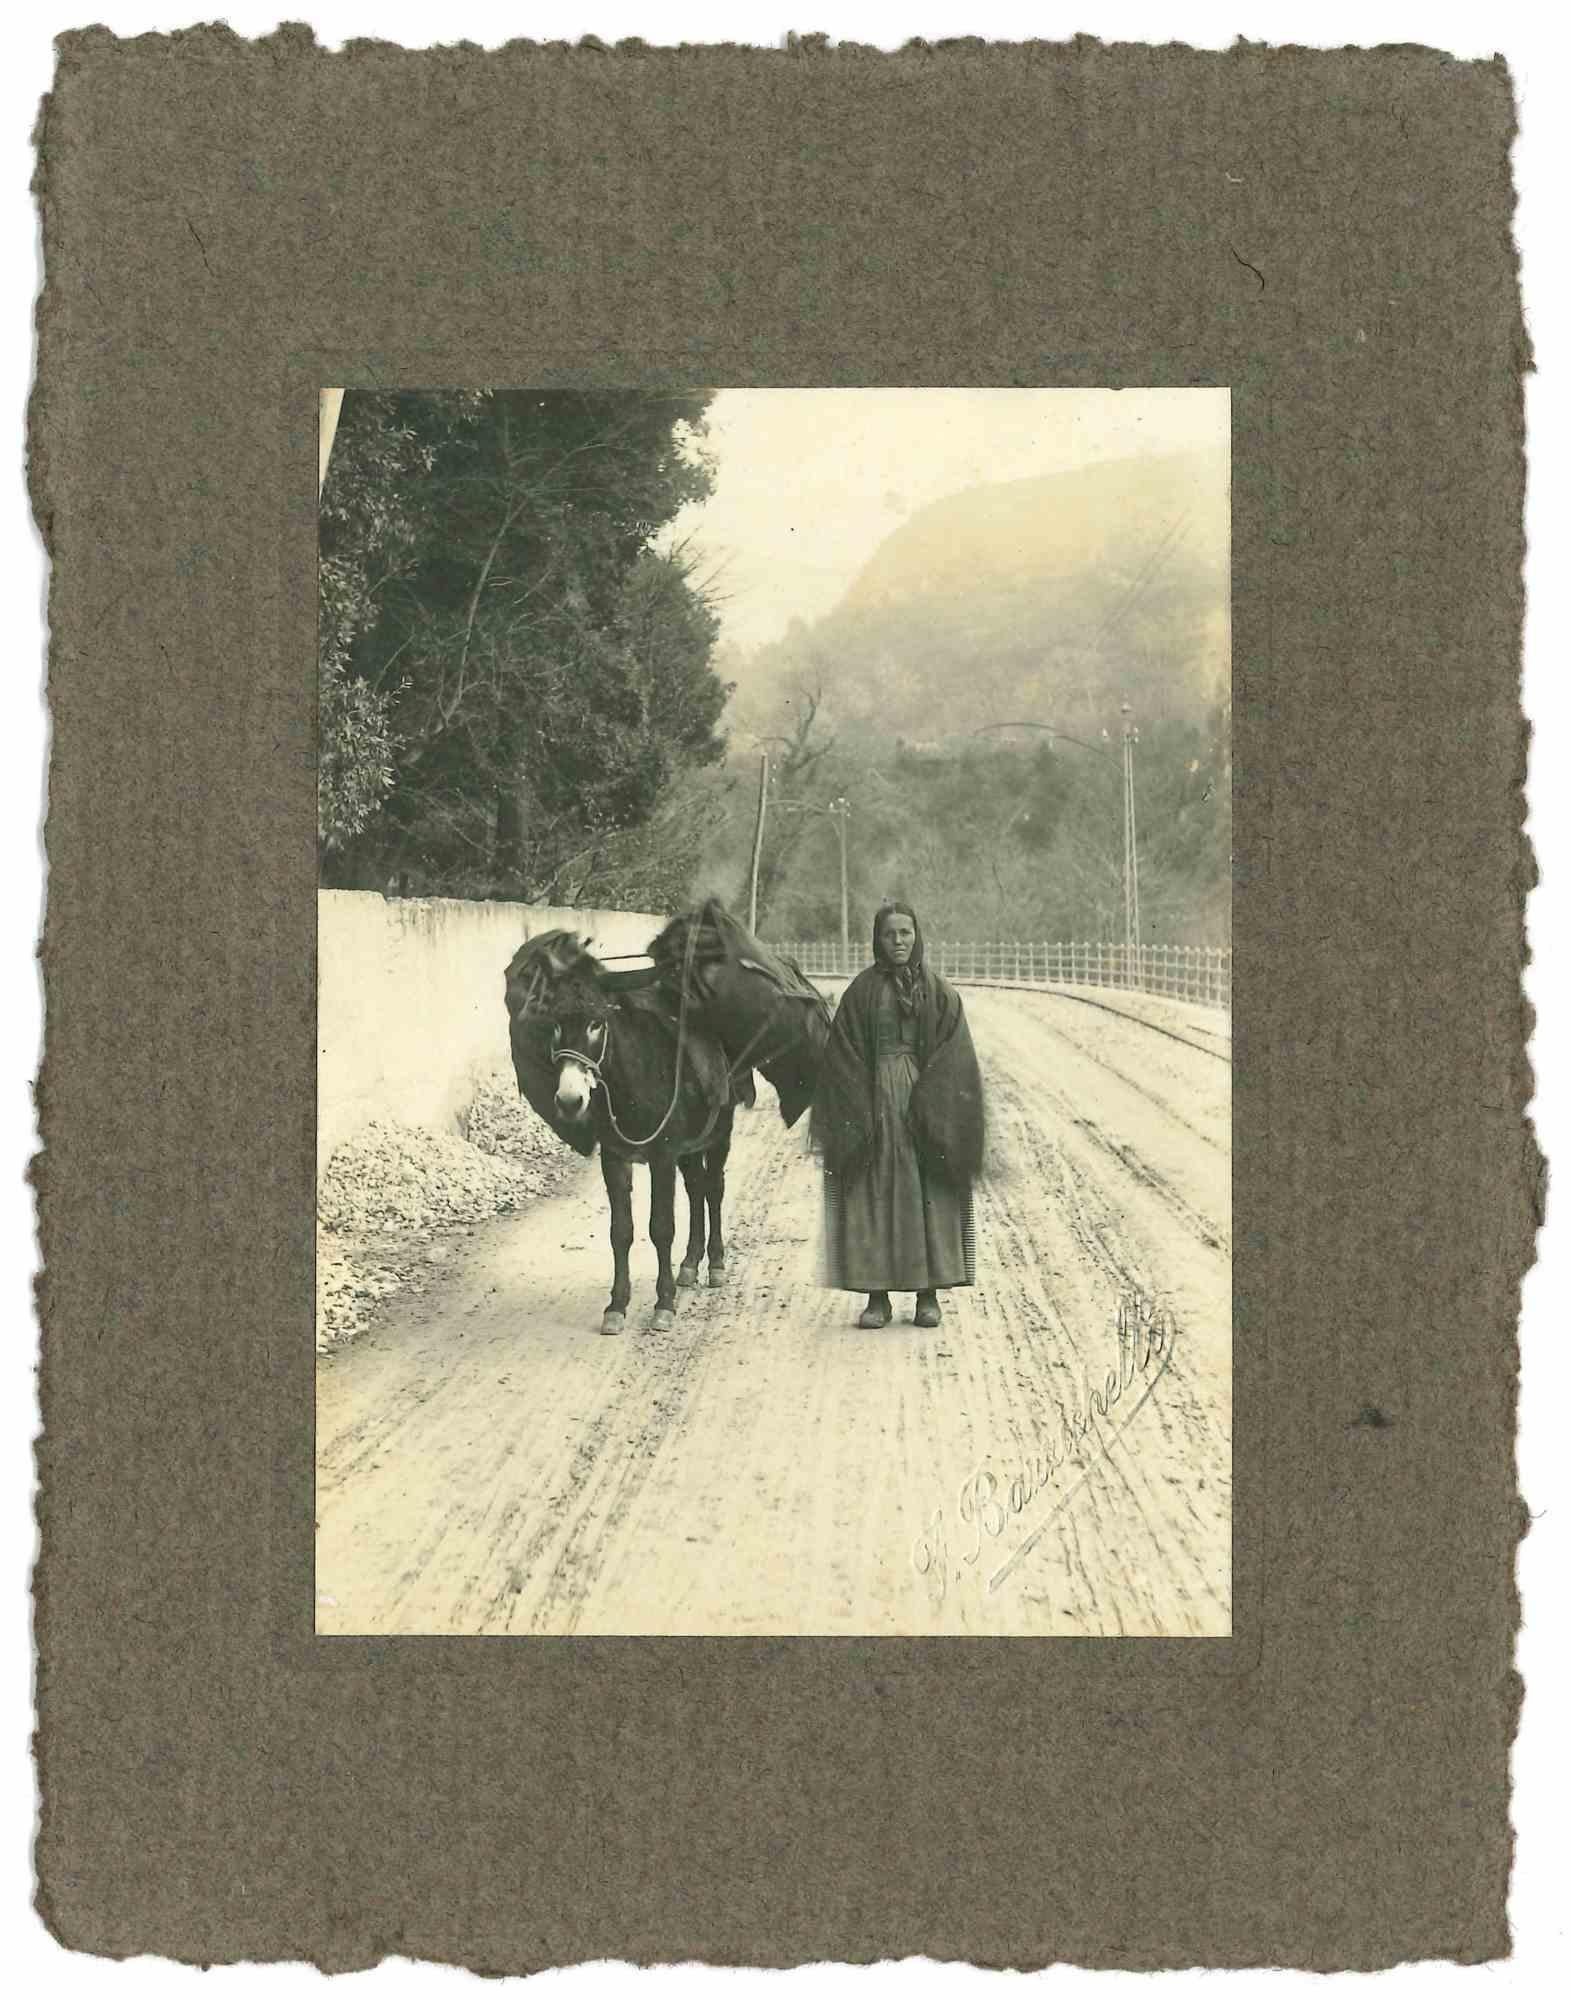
<point>746,1008</point>
<point>554,979</point>
<point>757,1004</point>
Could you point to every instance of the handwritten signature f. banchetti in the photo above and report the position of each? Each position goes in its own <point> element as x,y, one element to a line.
<point>987,1503</point>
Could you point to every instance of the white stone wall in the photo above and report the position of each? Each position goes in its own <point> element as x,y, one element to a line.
<point>410,1010</point>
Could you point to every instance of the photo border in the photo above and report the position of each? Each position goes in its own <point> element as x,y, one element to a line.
<point>1327,230</point>
<point>1140,1664</point>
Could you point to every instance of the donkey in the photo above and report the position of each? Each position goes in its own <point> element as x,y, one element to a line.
<point>598,1056</point>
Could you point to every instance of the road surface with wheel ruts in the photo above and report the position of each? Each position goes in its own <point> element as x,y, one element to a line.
<point>1042,1462</point>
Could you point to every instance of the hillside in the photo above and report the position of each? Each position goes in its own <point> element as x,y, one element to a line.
<point>1048,534</point>
<point>1053,598</point>
<point>1050,601</point>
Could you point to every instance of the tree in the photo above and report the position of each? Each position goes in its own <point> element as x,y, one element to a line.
<point>371,525</point>
<point>541,674</point>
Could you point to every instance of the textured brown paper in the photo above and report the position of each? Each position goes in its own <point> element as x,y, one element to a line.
<point>228,227</point>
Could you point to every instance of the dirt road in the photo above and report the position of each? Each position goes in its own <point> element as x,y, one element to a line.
<point>487,1462</point>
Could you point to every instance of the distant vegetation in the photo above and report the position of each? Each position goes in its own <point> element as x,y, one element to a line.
<point>1012,840</point>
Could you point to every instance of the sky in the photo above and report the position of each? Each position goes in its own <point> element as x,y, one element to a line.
<point>810,481</point>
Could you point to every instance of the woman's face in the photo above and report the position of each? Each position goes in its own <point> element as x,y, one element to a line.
<point>898,934</point>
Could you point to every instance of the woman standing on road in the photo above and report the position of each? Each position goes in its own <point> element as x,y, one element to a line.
<point>898,1121</point>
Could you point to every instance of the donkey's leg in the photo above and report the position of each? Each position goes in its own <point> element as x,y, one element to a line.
<point>695,1180</point>
<point>662,1234</point>
<point>714,1173</point>
<point>618,1186</point>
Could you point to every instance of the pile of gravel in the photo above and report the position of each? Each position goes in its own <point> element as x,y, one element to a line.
<point>499,1123</point>
<point>349,1287</point>
<point>397,1200</point>
<point>399,1177</point>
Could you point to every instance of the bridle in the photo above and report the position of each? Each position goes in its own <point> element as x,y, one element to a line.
<point>593,1064</point>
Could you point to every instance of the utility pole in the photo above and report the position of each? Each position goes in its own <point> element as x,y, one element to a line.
<point>1132,966</point>
<point>757,842</point>
<point>841,811</point>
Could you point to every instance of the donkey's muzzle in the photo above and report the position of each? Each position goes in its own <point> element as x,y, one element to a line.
<point>574,1089</point>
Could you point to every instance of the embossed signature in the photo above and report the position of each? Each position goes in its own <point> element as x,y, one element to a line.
<point>988,1502</point>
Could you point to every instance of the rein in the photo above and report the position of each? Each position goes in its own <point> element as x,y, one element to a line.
<point>597,1069</point>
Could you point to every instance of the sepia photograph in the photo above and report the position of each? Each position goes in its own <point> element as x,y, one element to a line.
<point>774,982</point>
<point>859,583</point>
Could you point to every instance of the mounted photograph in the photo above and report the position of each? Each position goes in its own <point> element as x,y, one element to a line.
<point>774,984</point>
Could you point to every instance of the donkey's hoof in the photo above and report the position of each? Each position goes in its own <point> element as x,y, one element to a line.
<point>664,1319</point>
<point>614,1322</point>
<point>718,1275</point>
<point>687,1276</point>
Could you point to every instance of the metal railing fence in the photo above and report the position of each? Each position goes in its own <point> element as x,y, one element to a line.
<point>1198,973</point>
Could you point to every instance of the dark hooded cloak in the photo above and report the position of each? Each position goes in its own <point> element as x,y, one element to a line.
<point>947,1108</point>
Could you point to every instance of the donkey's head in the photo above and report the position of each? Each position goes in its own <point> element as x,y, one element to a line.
<point>580,1041</point>
<point>554,982</point>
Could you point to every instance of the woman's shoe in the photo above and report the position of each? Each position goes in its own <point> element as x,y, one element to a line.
<point>877,1312</point>
<point>928,1311</point>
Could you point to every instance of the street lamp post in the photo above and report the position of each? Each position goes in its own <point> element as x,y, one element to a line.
<point>1131,962</point>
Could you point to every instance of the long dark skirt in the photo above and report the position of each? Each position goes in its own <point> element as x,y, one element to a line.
<point>896,1229</point>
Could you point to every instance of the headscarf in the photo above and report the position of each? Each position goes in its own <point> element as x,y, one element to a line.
<point>907,980</point>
